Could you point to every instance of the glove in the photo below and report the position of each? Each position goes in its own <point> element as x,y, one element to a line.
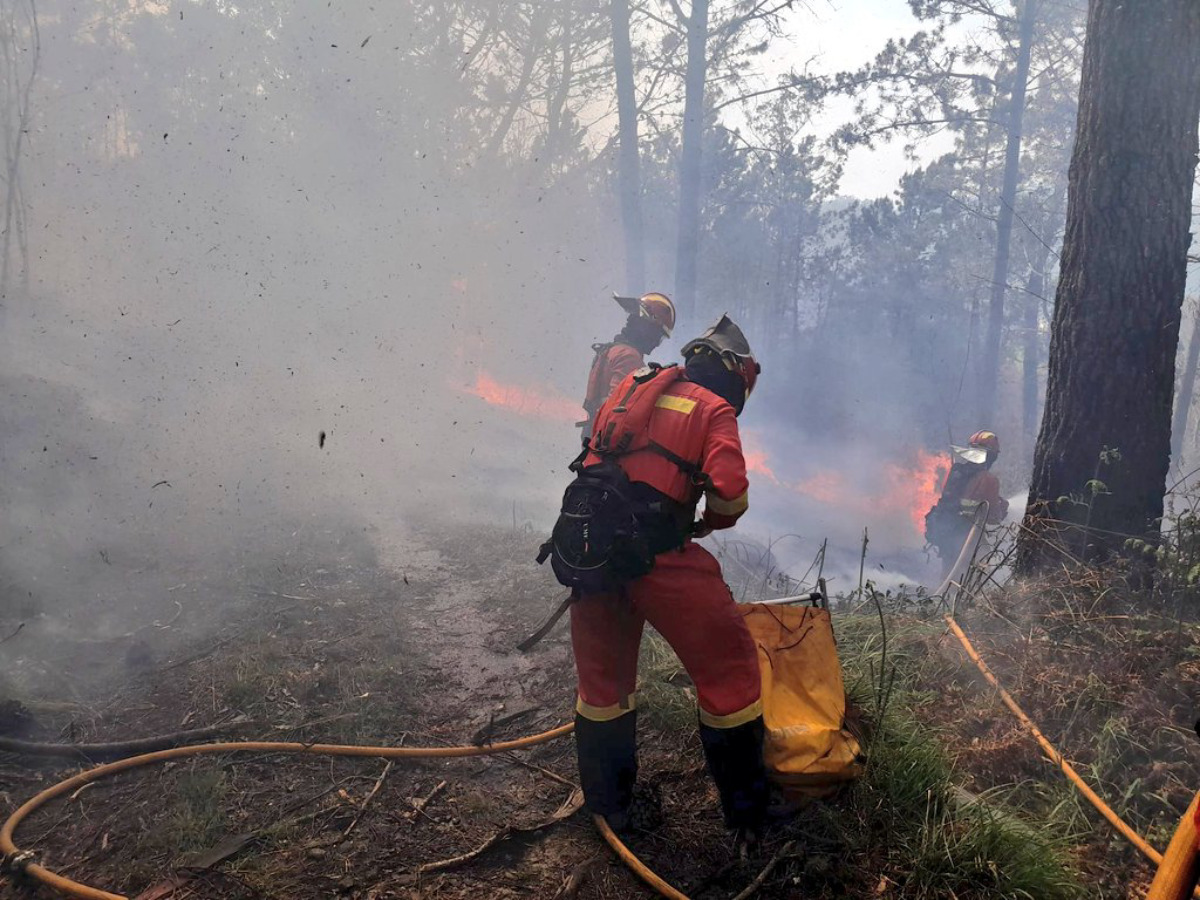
<point>701,529</point>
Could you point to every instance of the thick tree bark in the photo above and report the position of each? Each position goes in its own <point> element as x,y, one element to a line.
<point>1187,390</point>
<point>990,375</point>
<point>689,159</point>
<point>1116,319</point>
<point>629,176</point>
<point>1031,355</point>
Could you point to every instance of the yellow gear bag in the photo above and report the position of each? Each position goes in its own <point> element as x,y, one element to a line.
<point>807,749</point>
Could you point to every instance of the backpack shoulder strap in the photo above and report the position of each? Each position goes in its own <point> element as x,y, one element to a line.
<point>624,418</point>
<point>623,423</point>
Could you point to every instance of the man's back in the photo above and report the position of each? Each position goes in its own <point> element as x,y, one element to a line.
<point>694,426</point>
<point>612,363</point>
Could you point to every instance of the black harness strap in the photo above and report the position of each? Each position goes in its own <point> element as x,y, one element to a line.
<point>691,469</point>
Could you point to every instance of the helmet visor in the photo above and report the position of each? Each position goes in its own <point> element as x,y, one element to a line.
<point>974,455</point>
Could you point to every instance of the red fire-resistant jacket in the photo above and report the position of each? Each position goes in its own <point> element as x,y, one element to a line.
<point>693,423</point>
<point>612,363</point>
<point>986,487</point>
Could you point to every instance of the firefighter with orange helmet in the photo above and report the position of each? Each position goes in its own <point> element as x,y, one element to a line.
<point>689,448</point>
<point>969,484</point>
<point>651,318</point>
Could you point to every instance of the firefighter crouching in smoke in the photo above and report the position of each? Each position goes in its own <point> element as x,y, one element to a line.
<point>651,318</point>
<point>969,483</point>
<point>664,438</point>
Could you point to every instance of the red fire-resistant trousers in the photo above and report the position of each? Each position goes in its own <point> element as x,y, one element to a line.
<point>687,601</point>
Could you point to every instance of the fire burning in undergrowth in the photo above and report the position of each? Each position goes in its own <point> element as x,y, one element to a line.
<point>916,488</point>
<point>902,489</point>
<point>756,463</point>
<point>533,403</point>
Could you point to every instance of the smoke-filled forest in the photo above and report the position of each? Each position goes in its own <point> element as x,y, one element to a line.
<point>305,308</point>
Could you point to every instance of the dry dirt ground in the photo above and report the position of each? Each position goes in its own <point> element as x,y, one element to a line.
<point>401,644</point>
<point>412,641</point>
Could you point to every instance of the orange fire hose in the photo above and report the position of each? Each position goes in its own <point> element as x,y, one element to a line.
<point>635,865</point>
<point>23,861</point>
<point>1053,755</point>
<point>1176,878</point>
<point>17,859</point>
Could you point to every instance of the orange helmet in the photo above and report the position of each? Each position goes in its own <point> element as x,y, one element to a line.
<point>985,440</point>
<point>654,306</point>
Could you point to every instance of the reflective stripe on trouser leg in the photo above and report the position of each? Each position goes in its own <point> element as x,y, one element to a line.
<point>733,719</point>
<point>735,761</point>
<point>607,754</point>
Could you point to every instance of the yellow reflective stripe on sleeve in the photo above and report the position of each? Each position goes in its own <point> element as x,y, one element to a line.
<point>679,404</point>
<point>724,507</point>
<point>604,713</point>
<point>734,719</point>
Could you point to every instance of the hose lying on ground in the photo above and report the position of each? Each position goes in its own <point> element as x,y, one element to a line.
<point>1053,755</point>
<point>1176,876</point>
<point>635,865</point>
<point>16,859</point>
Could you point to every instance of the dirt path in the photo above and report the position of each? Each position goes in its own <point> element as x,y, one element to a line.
<point>417,648</point>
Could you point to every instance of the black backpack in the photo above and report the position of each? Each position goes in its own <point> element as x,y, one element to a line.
<point>598,543</point>
<point>604,536</point>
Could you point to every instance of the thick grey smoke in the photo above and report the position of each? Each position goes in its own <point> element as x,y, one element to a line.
<point>294,273</point>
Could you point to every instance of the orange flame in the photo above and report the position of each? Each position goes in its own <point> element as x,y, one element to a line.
<point>915,489</point>
<point>531,403</point>
<point>909,490</point>
<point>756,462</point>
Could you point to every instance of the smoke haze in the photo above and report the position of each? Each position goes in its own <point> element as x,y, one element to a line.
<point>297,275</point>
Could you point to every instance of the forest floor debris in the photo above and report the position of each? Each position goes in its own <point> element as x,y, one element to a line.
<point>420,648</point>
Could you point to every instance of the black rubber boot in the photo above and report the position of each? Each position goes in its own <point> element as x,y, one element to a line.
<point>607,754</point>
<point>735,761</point>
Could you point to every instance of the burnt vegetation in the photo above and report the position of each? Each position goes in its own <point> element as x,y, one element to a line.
<point>229,226</point>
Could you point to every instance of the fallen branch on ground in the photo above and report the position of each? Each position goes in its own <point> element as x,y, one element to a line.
<point>534,767</point>
<point>418,806</point>
<point>367,800</point>
<point>766,872</point>
<point>579,874</point>
<point>569,807</point>
<point>121,749</point>
<point>265,593</point>
<point>485,733</point>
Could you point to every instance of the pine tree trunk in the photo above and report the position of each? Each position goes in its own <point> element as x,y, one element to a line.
<point>689,159</point>
<point>1187,390</point>
<point>990,375</point>
<point>629,177</point>
<point>1031,354</point>
<point>1115,329</point>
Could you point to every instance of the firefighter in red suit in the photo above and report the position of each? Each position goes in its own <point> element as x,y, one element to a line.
<point>684,596</point>
<point>651,318</point>
<point>968,484</point>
